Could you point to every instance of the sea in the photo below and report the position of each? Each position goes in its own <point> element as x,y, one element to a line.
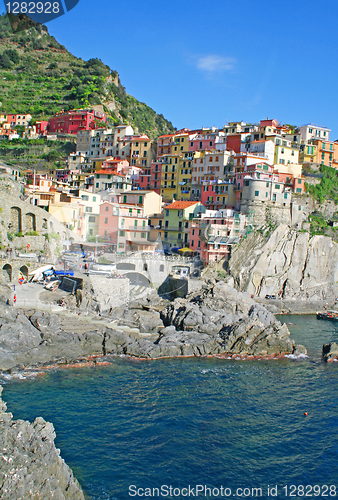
<point>195,427</point>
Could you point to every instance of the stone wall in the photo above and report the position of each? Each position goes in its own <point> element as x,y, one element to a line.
<point>267,211</point>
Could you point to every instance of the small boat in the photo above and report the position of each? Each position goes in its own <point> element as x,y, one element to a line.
<point>53,285</point>
<point>330,315</point>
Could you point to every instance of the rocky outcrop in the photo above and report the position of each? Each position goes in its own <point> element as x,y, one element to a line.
<point>217,320</point>
<point>286,263</point>
<point>330,352</point>
<point>31,466</point>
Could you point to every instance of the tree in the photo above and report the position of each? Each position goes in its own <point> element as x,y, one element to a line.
<point>5,62</point>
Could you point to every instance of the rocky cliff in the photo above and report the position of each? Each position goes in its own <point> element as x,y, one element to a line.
<point>30,465</point>
<point>287,263</point>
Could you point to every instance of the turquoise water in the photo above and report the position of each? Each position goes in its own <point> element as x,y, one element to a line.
<point>180,422</point>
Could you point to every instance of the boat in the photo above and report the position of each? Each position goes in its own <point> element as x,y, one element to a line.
<point>330,315</point>
<point>53,285</point>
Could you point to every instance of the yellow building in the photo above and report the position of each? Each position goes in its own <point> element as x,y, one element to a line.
<point>308,154</point>
<point>285,152</point>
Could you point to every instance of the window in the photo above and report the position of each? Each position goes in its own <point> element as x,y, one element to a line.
<point>246,183</point>
<point>90,232</point>
<point>277,186</point>
<point>299,190</point>
<point>144,223</point>
<point>179,236</point>
<point>89,209</point>
<point>167,213</point>
<point>256,193</point>
<point>193,232</point>
<point>165,235</point>
<point>140,199</point>
<point>135,223</point>
<point>125,199</point>
<point>91,218</point>
<point>285,196</point>
<point>97,184</point>
<point>299,207</point>
<point>192,243</point>
<point>94,198</point>
<point>161,268</point>
<point>143,235</point>
<point>106,220</point>
<point>106,208</point>
<point>299,181</point>
<point>122,233</point>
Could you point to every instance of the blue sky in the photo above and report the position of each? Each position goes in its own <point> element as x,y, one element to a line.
<point>204,63</point>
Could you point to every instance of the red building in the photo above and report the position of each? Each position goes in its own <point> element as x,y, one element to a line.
<point>71,122</point>
<point>155,176</point>
<point>41,127</point>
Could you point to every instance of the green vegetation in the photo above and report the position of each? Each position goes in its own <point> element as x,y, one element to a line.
<point>328,186</point>
<point>36,153</point>
<point>40,77</point>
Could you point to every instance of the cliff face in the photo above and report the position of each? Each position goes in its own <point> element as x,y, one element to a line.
<point>288,264</point>
<point>31,466</point>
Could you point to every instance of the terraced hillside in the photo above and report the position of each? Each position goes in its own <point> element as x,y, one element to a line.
<point>39,76</point>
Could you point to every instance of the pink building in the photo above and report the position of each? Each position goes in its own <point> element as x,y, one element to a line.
<point>202,141</point>
<point>124,226</point>
<point>164,143</point>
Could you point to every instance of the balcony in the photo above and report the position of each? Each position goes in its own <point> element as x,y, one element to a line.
<point>141,229</point>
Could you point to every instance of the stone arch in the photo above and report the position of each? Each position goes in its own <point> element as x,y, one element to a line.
<point>24,272</point>
<point>30,222</point>
<point>7,269</point>
<point>16,220</point>
<point>136,278</point>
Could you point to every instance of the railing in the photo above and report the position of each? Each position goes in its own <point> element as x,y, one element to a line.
<point>142,229</point>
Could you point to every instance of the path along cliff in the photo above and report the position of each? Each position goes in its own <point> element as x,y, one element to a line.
<point>287,263</point>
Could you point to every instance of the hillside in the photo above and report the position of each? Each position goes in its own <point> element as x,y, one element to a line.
<point>39,76</point>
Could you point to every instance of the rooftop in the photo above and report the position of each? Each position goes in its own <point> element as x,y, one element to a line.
<point>179,205</point>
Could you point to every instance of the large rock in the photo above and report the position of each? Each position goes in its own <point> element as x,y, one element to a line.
<point>288,263</point>
<point>330,352</point>
<point>31,466</point>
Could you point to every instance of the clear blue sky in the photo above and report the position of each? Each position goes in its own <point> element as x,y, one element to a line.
<point>204,63</point>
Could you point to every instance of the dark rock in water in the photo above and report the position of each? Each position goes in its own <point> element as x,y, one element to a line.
<point>330,352</point>
<point>31,466</point>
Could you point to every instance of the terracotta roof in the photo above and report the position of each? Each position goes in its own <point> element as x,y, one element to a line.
<point>179,205</point>
<point>108,171</point>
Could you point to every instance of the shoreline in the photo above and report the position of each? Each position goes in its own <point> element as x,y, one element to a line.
<point>31,372</point>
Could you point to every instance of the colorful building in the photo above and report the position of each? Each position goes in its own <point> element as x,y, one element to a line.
<point>71,122</point>
<point>177,221</point>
